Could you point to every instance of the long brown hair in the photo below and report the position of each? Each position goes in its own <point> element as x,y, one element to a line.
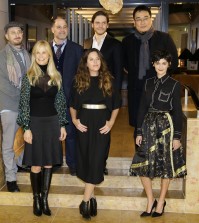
<point>82,78</point>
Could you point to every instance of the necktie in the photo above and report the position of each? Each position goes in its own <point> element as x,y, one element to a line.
<point>58,52</point>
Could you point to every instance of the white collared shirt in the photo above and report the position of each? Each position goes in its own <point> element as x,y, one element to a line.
<point>62,48</point>
<point>95,43</point>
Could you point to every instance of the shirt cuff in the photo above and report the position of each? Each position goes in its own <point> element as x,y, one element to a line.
<point>138,132</point>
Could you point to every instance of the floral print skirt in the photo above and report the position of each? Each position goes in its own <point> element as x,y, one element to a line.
<point>155,157</point>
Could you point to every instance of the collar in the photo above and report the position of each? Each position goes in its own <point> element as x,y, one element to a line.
<point>64,43</point>
<point>162,79</point>
<point>102,39</point>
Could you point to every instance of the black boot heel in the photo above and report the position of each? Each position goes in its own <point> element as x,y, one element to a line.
<point>93,207</point>
<point>37,210</point>
<point>146,214</point>
<point>84,210</point>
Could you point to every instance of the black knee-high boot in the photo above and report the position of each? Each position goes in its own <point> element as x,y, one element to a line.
<point>46,181</point>
<point>35,179</point>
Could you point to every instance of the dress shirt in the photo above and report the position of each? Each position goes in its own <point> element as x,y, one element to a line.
<point>97,45</point>
<point>56,47</point>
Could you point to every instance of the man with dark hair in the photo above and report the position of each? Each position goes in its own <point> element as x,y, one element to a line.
<point>110,48</point>
<point>67,55</point>
<point>15,61</point>
<point>137,48</point>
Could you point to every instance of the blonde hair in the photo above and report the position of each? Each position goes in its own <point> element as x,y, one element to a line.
<point>34,73</point>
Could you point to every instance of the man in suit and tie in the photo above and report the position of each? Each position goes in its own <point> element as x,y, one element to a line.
<point>110,48</point>
<point>67,55</point>
<point>137,49</point>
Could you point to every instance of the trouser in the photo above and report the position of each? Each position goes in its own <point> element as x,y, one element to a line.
<point>9,128</point>
<point>70,142</point>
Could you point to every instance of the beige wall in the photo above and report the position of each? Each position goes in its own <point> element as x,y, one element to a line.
<point>3,20</point>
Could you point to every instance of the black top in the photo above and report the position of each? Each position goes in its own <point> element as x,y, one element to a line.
<point>162,94</point>
<point>42,96</point>
<point>94,95</point>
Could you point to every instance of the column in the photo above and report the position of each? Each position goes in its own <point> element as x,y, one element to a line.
<point>3,22</point>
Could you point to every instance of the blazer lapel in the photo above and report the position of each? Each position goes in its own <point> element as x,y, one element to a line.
<point>105,44</point>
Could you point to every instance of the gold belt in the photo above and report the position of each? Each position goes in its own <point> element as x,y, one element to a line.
<point>91,106</point>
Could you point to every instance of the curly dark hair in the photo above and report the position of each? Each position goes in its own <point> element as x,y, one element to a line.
<point>82,78</point>
<point>161,54</point>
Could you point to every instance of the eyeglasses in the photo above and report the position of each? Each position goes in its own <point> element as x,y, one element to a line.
<point>142,20</point>
<point>13,33</point>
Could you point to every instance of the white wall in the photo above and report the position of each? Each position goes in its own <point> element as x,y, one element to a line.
<point>3,20</point>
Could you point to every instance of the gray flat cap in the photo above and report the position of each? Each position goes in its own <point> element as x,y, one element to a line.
<point>13,24</point>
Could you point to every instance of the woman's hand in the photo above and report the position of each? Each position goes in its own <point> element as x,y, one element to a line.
<point>176,144</point>
<point>63,134</point>
<point>28,136</point>
<point>106,128</point>
<point>138,140</point>
<point>79,125</point>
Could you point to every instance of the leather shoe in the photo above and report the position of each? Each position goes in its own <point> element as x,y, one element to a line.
<point>23,168</point>
<point>105,171</point>
<point>156,214</point>
<point>145,213</point>
<point>12,186</point>
<point>72,171</point>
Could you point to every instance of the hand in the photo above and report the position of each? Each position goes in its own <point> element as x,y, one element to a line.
<point>106,128</point>
<point>80,126</point>
<point>28,136</point>
<point>176,144</point>
<point>63,134</point>
<point>138,140</point>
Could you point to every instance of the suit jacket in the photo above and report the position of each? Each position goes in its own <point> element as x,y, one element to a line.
<point>72,55</point>
<point>112,52</point>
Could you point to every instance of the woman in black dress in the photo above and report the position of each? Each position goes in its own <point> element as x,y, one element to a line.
<point>94,108</point>
<point>159,152</point>
<point>42,114</point>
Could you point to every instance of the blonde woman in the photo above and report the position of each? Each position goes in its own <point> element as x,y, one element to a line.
<point>42,114</point>
<point>94,107</point>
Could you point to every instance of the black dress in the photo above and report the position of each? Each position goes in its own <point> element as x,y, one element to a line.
<point>159,122</point>
<point>91,145</point>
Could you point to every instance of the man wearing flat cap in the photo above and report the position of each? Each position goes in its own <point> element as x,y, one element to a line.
<point>15,61</point>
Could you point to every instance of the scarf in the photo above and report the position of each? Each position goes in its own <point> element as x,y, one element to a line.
<point>144,56</point>
<point>14,70</point>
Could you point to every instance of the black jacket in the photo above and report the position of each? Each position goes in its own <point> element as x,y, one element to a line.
<point>112,53</point>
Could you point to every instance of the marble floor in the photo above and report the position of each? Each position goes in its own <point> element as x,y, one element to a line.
<point>13,214</point>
